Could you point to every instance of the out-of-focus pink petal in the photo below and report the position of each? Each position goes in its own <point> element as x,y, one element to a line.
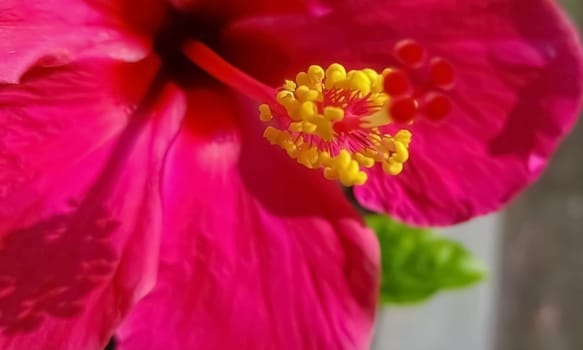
<point>80,164</point>
<point>257,252</point>
<point>229,10</point>
<point>54,32</point>
<point>519,84</point>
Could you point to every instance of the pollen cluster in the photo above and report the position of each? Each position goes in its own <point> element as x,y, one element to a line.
<point>331,119</point>
<point>344,122</point>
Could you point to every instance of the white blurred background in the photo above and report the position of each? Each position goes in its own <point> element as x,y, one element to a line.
<point>458,320</point>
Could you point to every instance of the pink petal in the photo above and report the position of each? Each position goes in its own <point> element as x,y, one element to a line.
<point>257,252</point>
<point>79,201</point>
<point>519,85</point>
<point>53,32</point>
<point>230,10</point>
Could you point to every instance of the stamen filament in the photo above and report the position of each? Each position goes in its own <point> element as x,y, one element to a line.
<point>209,61</point>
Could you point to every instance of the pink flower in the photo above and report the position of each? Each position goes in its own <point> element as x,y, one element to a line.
<point>139,196</point>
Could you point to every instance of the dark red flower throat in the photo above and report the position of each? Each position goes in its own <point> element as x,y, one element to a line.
<point>179,28</point>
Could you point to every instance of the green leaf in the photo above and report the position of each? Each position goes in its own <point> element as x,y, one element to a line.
<point>417,263</point>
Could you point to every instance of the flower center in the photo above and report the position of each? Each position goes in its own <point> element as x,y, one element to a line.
<point>344,121</point>
<point>178,28</point>
<point>339,121</point>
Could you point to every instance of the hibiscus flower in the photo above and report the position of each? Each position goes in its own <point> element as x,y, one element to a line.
<point>140,194</point>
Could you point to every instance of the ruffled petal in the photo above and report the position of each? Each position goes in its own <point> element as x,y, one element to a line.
<point>79,200</point>
<point>55,32</point>
<point>519,85</point>
<point>257,253</point>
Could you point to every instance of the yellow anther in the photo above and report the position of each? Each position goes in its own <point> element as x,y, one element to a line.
<point>378,99</point>
<point>308,110</point>
<point>304,93</point>
<point>287,99</point>
<point>363,160</point>
<point>283,96</point>
<point>346,178</point>
<point>371,74</point>
<point>270,134</point>
<point>325,130</point>
<point>333,114</point>
<point>309,128</point>
<point>275,136</point>
<point>290,147</point>
<point>289,86</point>
<point>345,169</point>
<point>302,79</point>
<point>308,157</point>
<point>324,158</point>
<point>316,73</point>
<point>401,153</point>
<point>392,168</point>
<point>404,136</point>
<point>296,126</point>
<point>359,81</point>
<point>376,80</point>
<point>342,160</point>
<point>335,67</point>
<point>334,74</point>
<point>360,178</point>
<point>265,113</point>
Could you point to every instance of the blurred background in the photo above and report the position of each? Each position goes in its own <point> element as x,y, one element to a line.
<point>533,297</point>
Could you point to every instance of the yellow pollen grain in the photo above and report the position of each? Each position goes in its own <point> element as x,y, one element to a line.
<point>304,93</point>
<point>265,113</point>
<point>290,85</point>
<point>333,114</point>
<point>308,110</point>
<point>392,168</point>
<point>363,160</point>
<point>316,103</point>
